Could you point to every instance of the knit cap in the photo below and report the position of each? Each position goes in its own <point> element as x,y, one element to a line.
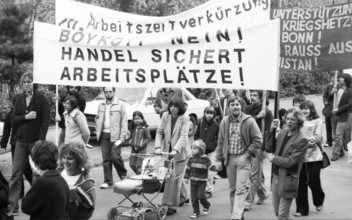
<point>200,145</point>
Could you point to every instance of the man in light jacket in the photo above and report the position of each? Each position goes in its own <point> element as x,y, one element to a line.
<point>239,140</point>
<point>111,131</point>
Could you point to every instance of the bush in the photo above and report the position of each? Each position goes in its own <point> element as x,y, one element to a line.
<point>5,106</point>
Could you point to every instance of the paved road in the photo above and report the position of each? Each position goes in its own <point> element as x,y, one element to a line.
<point>336,182</point>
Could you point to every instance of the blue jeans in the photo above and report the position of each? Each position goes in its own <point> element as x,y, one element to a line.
<point>338,149</point>
<point>198,195</point>
<point>111,156</point>
<point>257,180</point>
<point>20,159</point>
<point>238,170</point>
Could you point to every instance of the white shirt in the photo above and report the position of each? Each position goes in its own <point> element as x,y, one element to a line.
<point>106,126</point>
<point>339,94</point>
<point>71,180</point>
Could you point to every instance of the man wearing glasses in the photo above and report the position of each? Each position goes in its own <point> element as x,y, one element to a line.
<point>31,116</point>
<point>74,91</point>
<point>111,131</point>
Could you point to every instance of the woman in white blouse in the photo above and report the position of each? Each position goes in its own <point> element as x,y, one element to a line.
<point>310,171</point>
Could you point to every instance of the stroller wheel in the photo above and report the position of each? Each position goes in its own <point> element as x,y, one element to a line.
<point>161,212</point>
<point>139,216</point>
<point>112,214</point>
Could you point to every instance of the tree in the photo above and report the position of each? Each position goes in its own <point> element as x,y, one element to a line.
<point>15,44</point>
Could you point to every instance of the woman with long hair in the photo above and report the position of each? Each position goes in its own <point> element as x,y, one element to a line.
<point>75,171</point>
<point>310,171</point>
<point>75,122</point>
<point>172,137</point>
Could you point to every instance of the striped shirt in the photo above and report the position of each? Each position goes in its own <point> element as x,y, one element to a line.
<point>197,168</point>
<point>235,146</point>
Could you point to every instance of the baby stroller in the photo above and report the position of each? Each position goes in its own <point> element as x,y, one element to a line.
<point>156,169</point>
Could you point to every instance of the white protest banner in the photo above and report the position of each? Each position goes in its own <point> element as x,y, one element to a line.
<point>242,58</point>
<point>213,15</point>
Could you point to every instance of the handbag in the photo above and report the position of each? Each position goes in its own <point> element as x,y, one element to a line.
<point>326,161</point>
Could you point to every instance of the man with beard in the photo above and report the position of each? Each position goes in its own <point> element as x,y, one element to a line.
<point>344,102</point>
<point>111,131</point>
<point>163,97</point>
<point>257,176</point>
<point>31,116</point>
<point>239,140</point>
<point>73,91</point>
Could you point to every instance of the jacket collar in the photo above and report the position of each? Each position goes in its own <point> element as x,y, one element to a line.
<point>73,112</point>
<point>115,101</point>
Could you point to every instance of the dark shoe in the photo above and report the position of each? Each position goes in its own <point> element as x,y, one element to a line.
<point>171,211</point>
<point>247,208</point>
<point>334,158</point>
<point>342,154</point>
<point>182,203</point>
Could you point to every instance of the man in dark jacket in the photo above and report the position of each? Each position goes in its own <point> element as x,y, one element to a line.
<point>257,175</point>
<point>31,116</point>
<point>10,133</point>
<point>330,122</point>
<point>344,100</point>
<point>73,91</point>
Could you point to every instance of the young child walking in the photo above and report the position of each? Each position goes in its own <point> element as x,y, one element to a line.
<point>138,140</point>
<point>197,171</point>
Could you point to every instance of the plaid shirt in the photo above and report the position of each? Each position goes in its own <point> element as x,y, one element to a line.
<point>235,146</point>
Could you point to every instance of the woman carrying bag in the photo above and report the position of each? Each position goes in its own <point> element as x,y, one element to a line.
<point>310,171</point>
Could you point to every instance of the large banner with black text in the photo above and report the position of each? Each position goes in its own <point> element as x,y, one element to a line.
<point>315,39</point>
<point>234,57</point>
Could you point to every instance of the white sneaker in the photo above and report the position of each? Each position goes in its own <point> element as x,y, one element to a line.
<point>104,186</point>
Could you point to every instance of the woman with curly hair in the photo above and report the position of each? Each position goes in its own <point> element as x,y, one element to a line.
<point>75,171</point>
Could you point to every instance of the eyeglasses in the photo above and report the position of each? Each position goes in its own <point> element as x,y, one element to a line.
<point>106,92</point>
<point>27,82</point>
<point>73,87</point>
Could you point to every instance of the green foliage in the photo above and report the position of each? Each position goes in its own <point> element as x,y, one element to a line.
<point>293,83</point>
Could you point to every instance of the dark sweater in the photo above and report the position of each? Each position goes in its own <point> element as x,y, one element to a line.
<point>29,131</point>
<point>139,138</point>
<point>208,132</point>
<point>197,168</point>
<point>48,197</point>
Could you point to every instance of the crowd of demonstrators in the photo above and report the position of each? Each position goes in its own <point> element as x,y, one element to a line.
<point>9,134</point>
<point>48,197</point>
<point>311,167</point>
<point>75,172</point>
<point>81,105</point>
<point>111,132</point>
<point>207,131</point>
<point>288,151</point>
<point>341,113</point>
<point>172,137</point>
<point>197,171</point>
<point>330,122</point>
<point>138,140</point>
<point>238,141</point>
<point>257,179</point>
<point>76,126</point>
<point>31,116</point>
